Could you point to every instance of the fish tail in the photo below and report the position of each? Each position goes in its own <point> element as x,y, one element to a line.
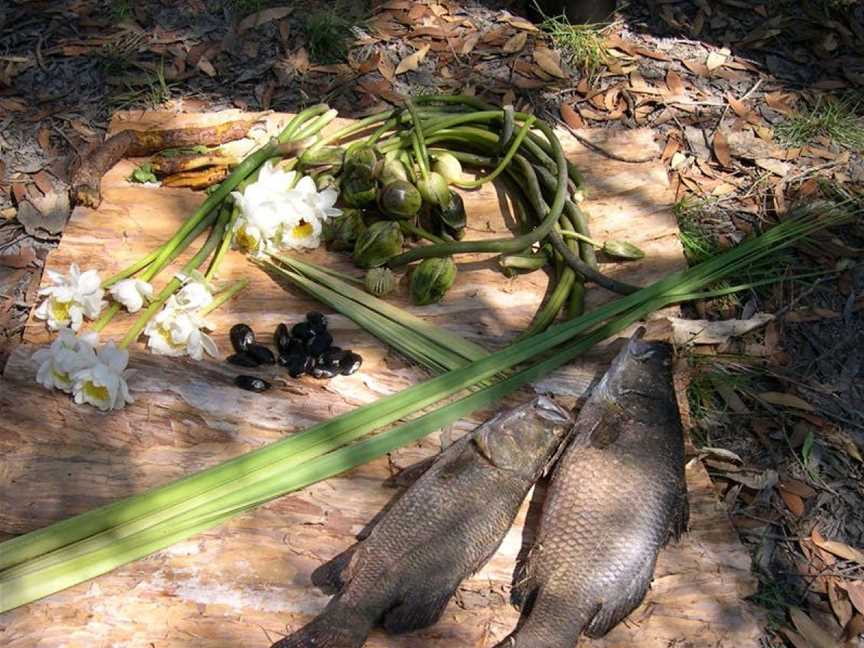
<point>338,626</point>
<point>541,630</point>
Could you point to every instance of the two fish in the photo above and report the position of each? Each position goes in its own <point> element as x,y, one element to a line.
<point>617,495</point>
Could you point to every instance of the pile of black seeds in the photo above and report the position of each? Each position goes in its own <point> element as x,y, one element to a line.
<point>306,348</point>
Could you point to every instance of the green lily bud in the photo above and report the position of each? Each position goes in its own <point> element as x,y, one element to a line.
<point>623,250</point>
<point>434,189</point>
<point>362,157</point>
<point>326,155</point>
<point>359,188</point>
<point>341,233</point>
<point>452,215</point>
<point>393,170</point>
<point>326,181</point>
<point>513,264</point>
<point>448,166</point>
<point>378,244</point>
<point>380,281</point>
<point>431,280</point>
<point>400,199</point>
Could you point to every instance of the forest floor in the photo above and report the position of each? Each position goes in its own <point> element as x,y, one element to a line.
<point>757,107</point>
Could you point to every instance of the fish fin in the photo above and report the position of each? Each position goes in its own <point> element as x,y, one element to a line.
<point>419,610</point>
<point>611,612</point>
<point>336,627</point>
<point>681,520</point>
<point>407,476</point>
<point>332,576</point>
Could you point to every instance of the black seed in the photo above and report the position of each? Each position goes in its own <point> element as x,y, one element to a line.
<point>261,353</point>
<point>331,357</point>
<point>302,331</point>
<point>318,321</point>
<point>295,364</point>
<point>251,383</point>
<point>350,363</point>
<point>319,344</point>
<point>243,360</point>
<point>241,337</point>
<point>281,338</point>
<point>325,372</point>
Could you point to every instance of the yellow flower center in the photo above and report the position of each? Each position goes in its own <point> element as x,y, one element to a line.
<point>301,231</point>
<point>96,392</point>
<point>245,241</point>
<point>62,376</point>
<point>60,310</point>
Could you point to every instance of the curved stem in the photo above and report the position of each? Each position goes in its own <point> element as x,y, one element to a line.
<point>411,228</point>
<point>223,296</point>
<point>478,182</point>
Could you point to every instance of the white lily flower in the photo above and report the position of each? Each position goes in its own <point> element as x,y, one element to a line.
<point>104,384</point>
<point>131,293</point>
<point>303,234</point>
<point>176,331</point>
<point>71,298</point>
<point>193,296</point>
<point>67,355</point>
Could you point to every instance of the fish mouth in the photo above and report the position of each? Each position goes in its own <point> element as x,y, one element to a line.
<point>549,410</point>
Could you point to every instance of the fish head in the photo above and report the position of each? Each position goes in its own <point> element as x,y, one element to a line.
<point>523,440</point>
<point>637,368</point>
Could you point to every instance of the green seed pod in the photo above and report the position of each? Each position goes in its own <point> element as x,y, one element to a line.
<point>361,157</point>
<point>623,250</point>
<point>513,264</point>
<point>380,281</point>
<point>359,188</point>
<point>434,189</point>
<point>400,199</point>
<point>341,233</point>
<point>448,166</point>
<point>393,170</point>
<point>378,244</point>
<point>431,280</point>
<point>452,215</point>
<point>326,155</point>
<point>326,181</point>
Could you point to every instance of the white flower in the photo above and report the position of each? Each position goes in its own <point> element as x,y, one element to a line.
<point>305,234</point>
<point>176,331</point>
<point>67,355</point>
<point>193,296</point>
<point>104,384</point>
<point>71,298</point>
<point>280,210</point>
<point>131,293</point>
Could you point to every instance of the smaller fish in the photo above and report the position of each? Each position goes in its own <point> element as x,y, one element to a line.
<point>616,497</point>
<point>439,532</point>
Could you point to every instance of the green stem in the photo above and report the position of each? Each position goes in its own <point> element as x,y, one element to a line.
<point>517,142</point>
<point>409,228</point>
<point>224,245</point>
<point>419,139</point>
<point>223,296</point>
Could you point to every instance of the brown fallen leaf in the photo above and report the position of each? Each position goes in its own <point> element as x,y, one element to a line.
<point>794,503</point>
<point>262,17</point>
<point>206,67</point>
<point>721,149</point>
<point>815,635</point>
<point>515,43</point>
<point>798,487</point>
<point>854,629</point>
<point>519,23</point>
<point>21,260</point>
<point>776,167</point>
<point>716,59</point>
<point>840,604</point>
<point>412,61</point>
<point>469,42</point>
<point>674,83</point>
<point>855,590</point>
<point>571,117</point>
<point>839,549</point>
<point>549,62</point>
<point>785,400</point>
<point>386,68</point>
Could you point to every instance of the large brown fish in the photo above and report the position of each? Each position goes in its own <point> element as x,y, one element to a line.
<point>616,496</point>
<point>443,529</point>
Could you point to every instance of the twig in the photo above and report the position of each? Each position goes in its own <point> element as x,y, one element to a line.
<point>596,147</point>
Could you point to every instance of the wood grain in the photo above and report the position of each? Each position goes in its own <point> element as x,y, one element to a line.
<point>248,581</point>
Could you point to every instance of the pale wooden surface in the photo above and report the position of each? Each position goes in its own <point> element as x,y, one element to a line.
<point>247,581</point>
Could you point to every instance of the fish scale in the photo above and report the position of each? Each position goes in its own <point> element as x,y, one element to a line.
<point>616,496</point>
<point>440,531</point>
